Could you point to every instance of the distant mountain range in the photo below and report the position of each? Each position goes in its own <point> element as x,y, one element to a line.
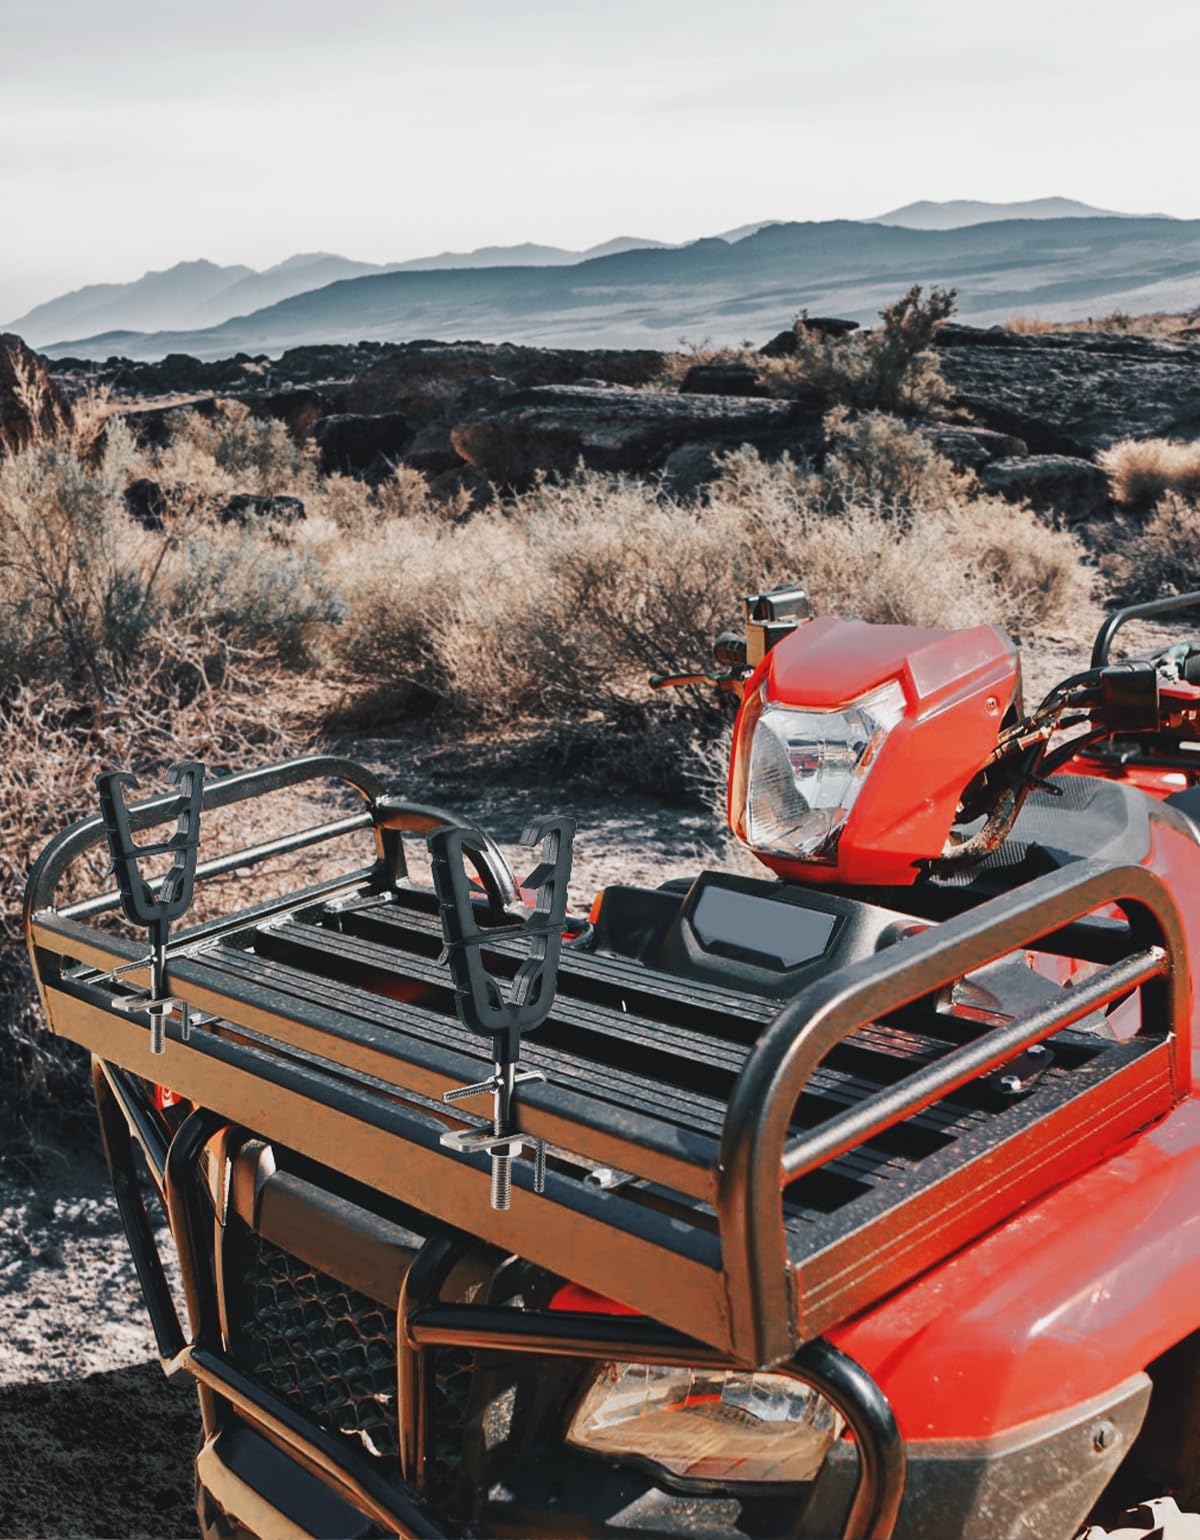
<point>1059,259</point>
<point>969,211</point>
<point>192,295</point>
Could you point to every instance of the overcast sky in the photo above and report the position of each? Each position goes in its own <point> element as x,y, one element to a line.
<point>136,133</point>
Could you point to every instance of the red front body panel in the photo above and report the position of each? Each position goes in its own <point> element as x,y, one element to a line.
<point>957,686</point>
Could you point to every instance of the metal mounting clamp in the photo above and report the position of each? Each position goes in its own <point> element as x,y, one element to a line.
<point>488,1005</point>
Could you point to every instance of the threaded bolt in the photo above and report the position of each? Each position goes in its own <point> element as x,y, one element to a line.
<point>501,1181</point>
<point>158,1032</point>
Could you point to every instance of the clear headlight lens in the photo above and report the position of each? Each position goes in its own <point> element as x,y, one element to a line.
<point>806,771</point>
<point>708,1425</point>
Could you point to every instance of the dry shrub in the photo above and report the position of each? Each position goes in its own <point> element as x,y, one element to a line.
<point>955,560</point>
<point>87,595</point>
<point>677,364</point>
<point>1141,470</point>
<point>260,456</point>
<point>120,646</point>
<point>1164,556</point>
<point>891,368</point>
<point>1033,325</point>
<point>557,608</point>
<point>44,416</point>
<point>879,460</point>
<point>404,494</point>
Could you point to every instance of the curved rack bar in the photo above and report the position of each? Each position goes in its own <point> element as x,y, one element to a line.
<point>58,855</point>
<point>757,1159</point>
<point>1168,606</point>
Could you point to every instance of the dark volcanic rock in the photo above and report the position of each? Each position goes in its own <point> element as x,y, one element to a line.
<point>30,402</point>
<point>722,380</point>
<point>969,448</point>
<point>431,451</point>
<point>688,470</point>
<point>152,426</point>
<point>177,374</point>
<point>1074,490</point>
<point>299,409</point>
<point>146,502</point>
<point>785,344</point>
<point>553,428</point>
<point>355,442</point>
<point>446,379</point>
<point>246,508</point>
<point>463,482</point>
<point>329,361</point>
<point>1072,393</point>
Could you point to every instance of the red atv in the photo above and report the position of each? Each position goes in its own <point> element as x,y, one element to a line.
<point>859,1200</point>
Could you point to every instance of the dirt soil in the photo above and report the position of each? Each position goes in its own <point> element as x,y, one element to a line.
<point>95,1441</point>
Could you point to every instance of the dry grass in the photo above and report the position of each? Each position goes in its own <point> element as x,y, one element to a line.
<point>1164,558</point>
<point>1159,323</point>
<point>1140,471</point>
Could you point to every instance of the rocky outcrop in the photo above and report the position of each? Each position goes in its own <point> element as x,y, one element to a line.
<point>299,410</point>
<point>554,428</point>
<point>246,508</point>
<point>688,470</point>
<point>969,448</point>
<point>431,379</point>
<point>146,502</point>
<point>1061,486</point>
<point>31,404</point>
<point>786,344</point>
<point>1072,393</point>
<point>357,443</point>
<point>330,361</point>
<point>152,426</point>
<point>722,380</point>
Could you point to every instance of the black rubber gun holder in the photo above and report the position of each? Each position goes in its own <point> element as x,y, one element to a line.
<point>153,905</point>
<point>486,1004</point>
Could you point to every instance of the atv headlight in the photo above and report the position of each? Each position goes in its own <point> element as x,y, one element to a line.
<point>807,769</point>
<point>707,1426</point>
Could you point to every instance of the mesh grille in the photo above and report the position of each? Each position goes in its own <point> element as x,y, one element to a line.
<point>327,1349</point>
<point>453,1369</point>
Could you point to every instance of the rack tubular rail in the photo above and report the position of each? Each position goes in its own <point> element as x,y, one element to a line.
<point>740,1290</point>
<point>757,1158</point>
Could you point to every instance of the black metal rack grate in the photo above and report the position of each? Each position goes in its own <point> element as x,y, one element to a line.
<point>779,1166</point>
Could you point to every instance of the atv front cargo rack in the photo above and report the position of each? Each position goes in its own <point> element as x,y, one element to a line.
<point>745,1172</point>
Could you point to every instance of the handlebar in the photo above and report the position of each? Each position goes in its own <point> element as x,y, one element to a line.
<point>1114,622</point>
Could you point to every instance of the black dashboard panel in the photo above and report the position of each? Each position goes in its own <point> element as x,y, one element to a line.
<point>748,933</point>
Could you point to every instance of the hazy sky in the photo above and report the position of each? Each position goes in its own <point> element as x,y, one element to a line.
<point>136,133</point>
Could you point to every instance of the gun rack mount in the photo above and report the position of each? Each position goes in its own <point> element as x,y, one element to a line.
<point>745,1172</point>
